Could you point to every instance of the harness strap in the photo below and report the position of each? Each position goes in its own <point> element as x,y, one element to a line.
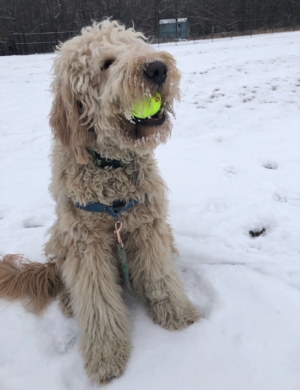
<point>103,162</point>
<point>117,208</point>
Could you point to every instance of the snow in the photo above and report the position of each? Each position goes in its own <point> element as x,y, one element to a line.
<point>232,166</point>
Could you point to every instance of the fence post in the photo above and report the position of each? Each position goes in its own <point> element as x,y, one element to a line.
<point>20,46</point>
<point>14,44</point>
<point>25,43</point>
<point>42,39</point>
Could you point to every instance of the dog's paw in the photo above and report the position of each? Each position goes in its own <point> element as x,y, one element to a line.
<point>108,363</point>
<point>171,316</point>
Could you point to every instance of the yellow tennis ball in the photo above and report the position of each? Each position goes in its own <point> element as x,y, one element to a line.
<point>148,106</point>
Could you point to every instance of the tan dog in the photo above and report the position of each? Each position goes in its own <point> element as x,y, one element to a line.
<point>97,77</point>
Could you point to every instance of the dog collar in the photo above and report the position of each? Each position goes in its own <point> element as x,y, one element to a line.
<point>103,162</point>
<point>115,209</point>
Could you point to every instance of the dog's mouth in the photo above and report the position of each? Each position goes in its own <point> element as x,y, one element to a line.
<point>155,120</point>
<point>154,129</point>
<point>151,130</point>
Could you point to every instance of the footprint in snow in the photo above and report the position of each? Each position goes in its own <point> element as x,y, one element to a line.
<point>229,170</point>
<point>279,198</point>
<point>270,165</point>
<point>257,232</point>
<point>32,223</point>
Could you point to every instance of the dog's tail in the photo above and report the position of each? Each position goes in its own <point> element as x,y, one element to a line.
<point>32,283</point>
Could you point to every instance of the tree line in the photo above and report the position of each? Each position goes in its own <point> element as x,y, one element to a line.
<point>205,16</point>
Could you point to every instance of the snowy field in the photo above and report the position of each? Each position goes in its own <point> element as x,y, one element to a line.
<point>232,166</point>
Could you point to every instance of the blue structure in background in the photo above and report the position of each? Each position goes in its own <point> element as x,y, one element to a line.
<point>172,28</point>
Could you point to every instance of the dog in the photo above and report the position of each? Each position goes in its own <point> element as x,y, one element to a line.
<point>102,158</point>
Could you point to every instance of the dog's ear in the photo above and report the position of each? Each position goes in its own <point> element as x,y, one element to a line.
<point>66,123</point>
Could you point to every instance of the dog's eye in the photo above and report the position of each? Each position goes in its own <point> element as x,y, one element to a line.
<point>107,64</point>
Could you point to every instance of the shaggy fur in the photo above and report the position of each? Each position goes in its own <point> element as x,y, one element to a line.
<point>97,76</point>
<point>34,283</point>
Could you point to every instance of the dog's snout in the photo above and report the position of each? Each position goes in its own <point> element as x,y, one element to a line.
<point>157,72</point>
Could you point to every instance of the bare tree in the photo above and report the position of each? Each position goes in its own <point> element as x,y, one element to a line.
<point>205,16</point>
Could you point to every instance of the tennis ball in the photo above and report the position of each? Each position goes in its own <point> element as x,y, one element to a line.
<point>148,106</point>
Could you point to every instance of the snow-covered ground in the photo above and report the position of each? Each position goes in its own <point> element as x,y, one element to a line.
<point>232,166</point>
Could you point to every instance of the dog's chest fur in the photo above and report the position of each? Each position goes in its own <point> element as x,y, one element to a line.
<point>90,183</point>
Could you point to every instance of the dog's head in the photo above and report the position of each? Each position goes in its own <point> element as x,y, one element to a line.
<point>97,78</point>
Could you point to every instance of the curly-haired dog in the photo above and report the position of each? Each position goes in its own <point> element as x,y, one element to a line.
<point>103,157</point>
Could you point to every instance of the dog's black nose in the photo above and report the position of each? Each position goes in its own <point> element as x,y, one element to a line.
<point>157,72</point>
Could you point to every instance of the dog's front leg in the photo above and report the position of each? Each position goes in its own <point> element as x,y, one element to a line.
<point>154,276</point>
<point>91,276</point>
